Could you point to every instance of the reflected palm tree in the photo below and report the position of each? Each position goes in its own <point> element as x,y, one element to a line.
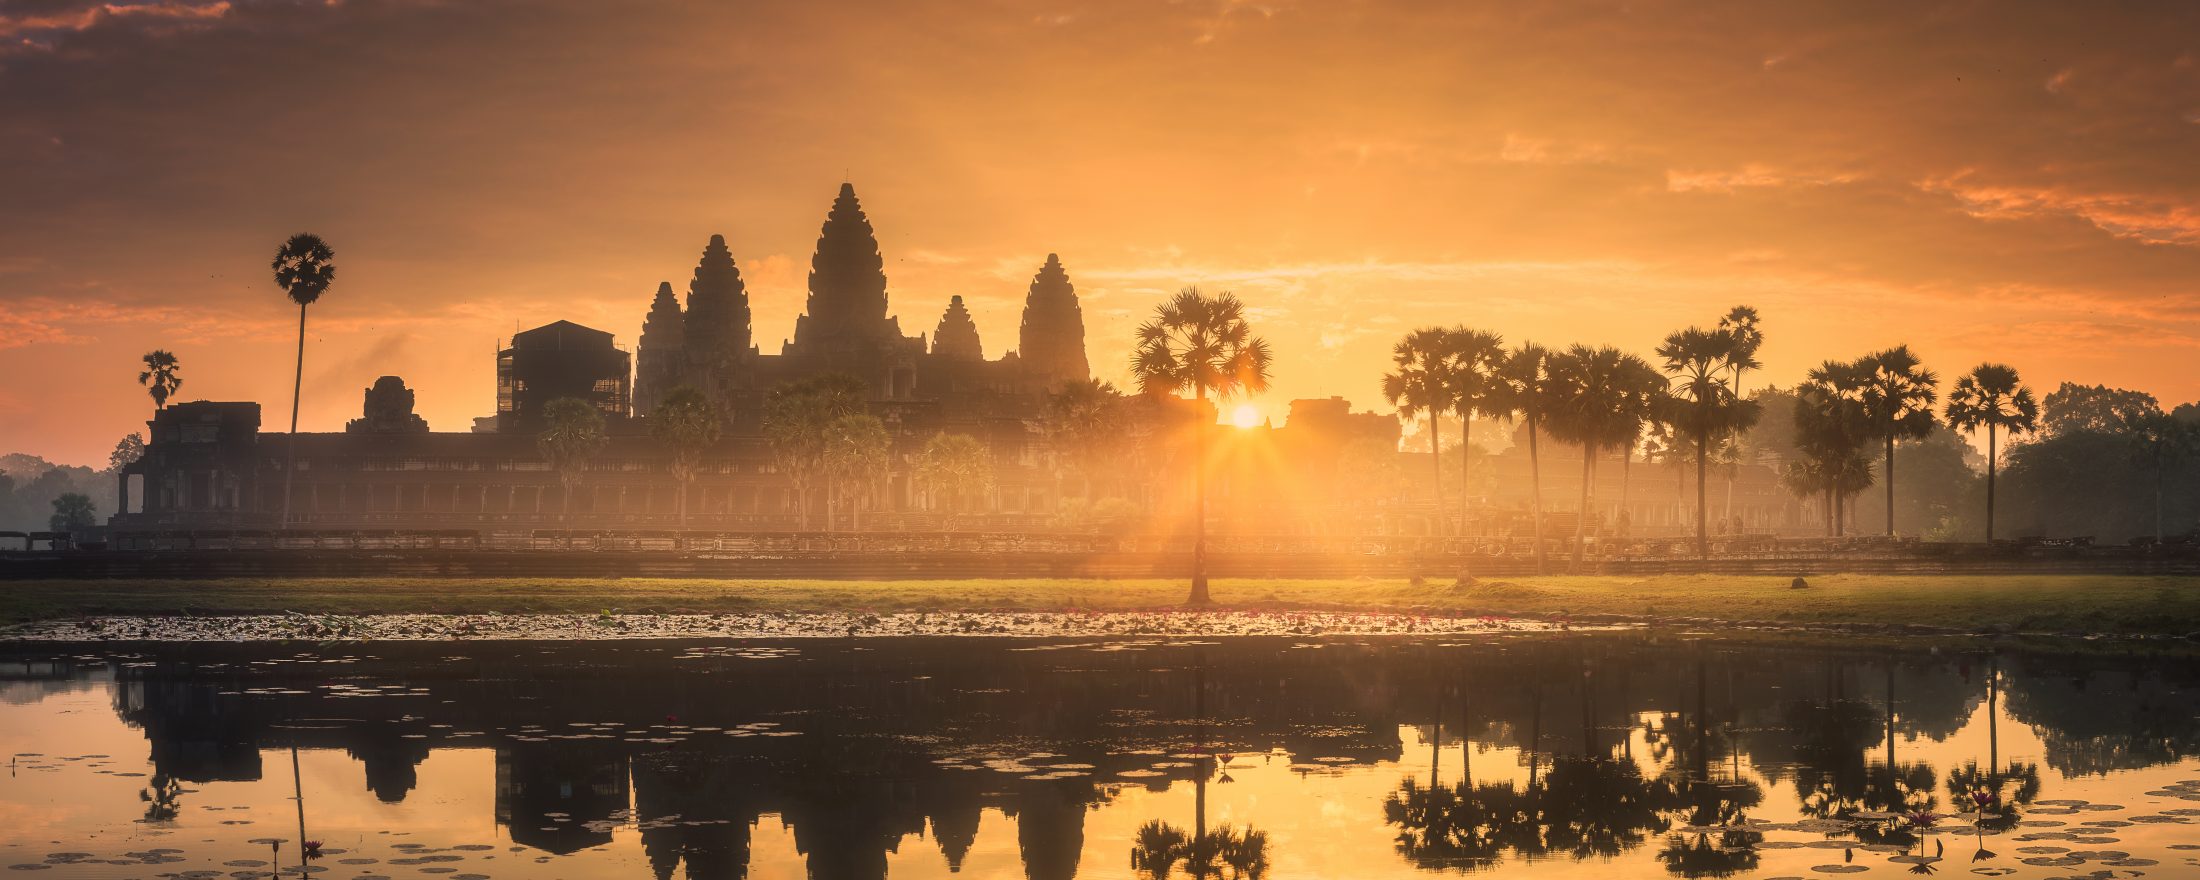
<point>1226,852</point>
<point>1716,840</point>
<point>1450,828</point>
<point>163,799</point>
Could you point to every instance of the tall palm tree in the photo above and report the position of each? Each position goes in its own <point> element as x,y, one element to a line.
<point>1524,390</point>
<point>1740,324</point>
<point>162,376</point>
<point>1423,384</point>
<point>1832,430</point>
<point>1897,395</point>
<point>686,423</point>
<point>1203,345</point>
<point>1476,358</point>
<point>1702,363</point>
<point>1992,396</point>
<point>304,267</point>
<point>858,455</point>
<point>1600,398</point>
<point>572,434</point>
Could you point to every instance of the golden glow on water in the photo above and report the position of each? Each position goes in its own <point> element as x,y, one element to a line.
<point>78,769</point>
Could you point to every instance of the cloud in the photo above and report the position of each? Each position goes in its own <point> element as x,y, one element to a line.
<point>1751,176</point>
<point>2155,218</point>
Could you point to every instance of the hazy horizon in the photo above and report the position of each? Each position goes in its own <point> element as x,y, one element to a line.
<point>1982,182</point>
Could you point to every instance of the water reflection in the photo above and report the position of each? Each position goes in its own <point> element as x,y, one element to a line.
<point>1243,759</point>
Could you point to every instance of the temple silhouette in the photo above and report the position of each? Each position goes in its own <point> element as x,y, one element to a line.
<point>208,464</point>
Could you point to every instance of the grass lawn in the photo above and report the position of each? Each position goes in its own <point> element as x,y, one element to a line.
<point>2046,603</point>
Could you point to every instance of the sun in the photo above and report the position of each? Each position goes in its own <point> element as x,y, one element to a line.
<point>1245,416</point>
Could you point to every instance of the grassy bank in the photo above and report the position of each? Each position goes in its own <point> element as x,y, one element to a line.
<point>2047,603</point>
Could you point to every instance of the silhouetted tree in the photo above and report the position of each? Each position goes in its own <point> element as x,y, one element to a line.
<point>1423,385</point>
<point>1600,398</point>
<point>1991,396</point>
<point>572,434</point>
<point>73,512</point>
<point>161,377</point>
<point>686,423</point>
<point>1740,324</point>
<point>127,451</point>
<point>857,458</point>
<point>304,267</point>
<point>2073,408</point>
<point>1831,430</point>
<point>1477,356</point>
<point>1524,390</point>
<point>1203,345</point>
<point>1896,395</point>
<point>1704,364</point>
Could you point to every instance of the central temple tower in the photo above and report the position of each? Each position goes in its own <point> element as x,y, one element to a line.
<point>847,303</point>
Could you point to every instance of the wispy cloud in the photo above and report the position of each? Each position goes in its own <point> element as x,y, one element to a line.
<point>2158,219</point>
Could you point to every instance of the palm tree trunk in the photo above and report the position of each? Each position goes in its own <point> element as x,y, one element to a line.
<point>1199,500</point>
<point>1890,485</point>
<point>1436,463</point>
<point>1466,478</point>
<point>1990,451</point>
<point>297,381</point>
<point>1581,521</point>
<point>1535,496</point>
<point>1466,468</point>
<point>1703,526</point>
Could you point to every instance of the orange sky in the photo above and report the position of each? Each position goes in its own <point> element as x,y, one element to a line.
<point>1979,180</point>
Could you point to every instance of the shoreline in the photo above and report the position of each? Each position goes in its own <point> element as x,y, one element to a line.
<point>1947,605</point>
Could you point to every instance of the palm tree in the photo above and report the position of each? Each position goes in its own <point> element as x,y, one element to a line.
<point>161,377</point>
<point>1085,421</point>
<point>572,434</point>
<point>1423,384</point>
<point>1476,358</point>
<point>1992,396</point>
<point>1524,389</point>
<point>1897,395</point>
<point>1600,398</point>
<point>857,455</point>
<point>304,267</point>
<point>1203,345</point>
<point>795,419</point>
<point>686,423</point>
<point>1831,429</point>
<point>957,464</point>
<point>1740,324</point>
<point>1703,364</point>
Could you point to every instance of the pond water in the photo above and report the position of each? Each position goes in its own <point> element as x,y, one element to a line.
<point>1533,755</point>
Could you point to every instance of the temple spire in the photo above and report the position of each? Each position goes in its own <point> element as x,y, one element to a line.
<point>660,355</point>
<point>847,279</point>
<point>1051,340</point>
<point>957,335</point>
<point>717,325</point>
